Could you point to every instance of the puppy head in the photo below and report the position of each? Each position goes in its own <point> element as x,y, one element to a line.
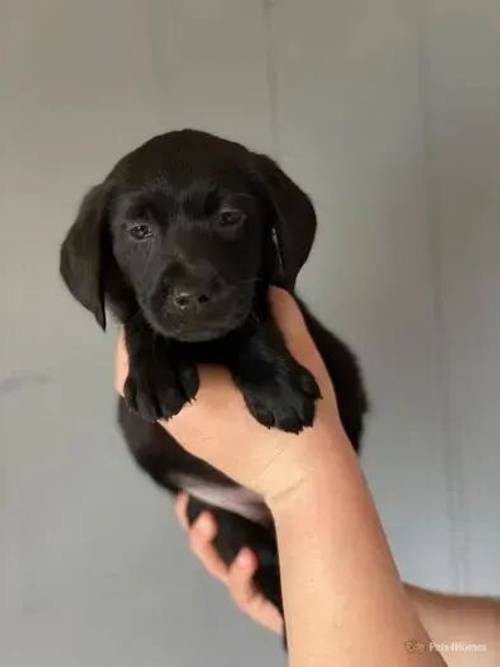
<point>195,224</point>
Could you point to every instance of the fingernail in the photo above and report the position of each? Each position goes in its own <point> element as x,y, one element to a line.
<point>244,558</point>
<point>204,524</point>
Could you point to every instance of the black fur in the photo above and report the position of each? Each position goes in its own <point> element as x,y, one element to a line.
<point>181,241</point>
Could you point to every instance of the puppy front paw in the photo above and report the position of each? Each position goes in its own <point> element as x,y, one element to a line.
<point>287,401</point>
<point>157,387</point>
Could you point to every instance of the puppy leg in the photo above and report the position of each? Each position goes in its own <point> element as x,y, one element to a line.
<point>160,379</point>
<point>277,389</point>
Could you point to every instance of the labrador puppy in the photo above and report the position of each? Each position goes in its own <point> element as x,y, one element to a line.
<point>180,242</point>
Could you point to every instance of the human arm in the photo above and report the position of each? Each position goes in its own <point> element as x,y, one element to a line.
<point>453,620</point>
<point>343,598</point>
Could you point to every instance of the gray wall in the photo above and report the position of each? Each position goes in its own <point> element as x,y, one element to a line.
<point>388,113</point>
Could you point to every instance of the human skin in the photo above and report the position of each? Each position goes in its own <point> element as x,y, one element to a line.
<point>448,618</point>
<point>344,602</point>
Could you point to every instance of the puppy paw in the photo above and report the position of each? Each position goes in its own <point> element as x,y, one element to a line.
<point>286,402</point>
<point>157,388</point>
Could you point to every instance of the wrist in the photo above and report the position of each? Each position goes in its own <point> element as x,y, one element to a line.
<point>310,464</point>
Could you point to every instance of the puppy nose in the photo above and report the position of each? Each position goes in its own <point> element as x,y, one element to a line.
<point>185,299</point>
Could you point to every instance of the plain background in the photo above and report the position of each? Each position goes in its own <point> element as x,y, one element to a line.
<point>388,114</point>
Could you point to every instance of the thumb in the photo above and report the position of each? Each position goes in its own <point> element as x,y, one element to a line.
<point>287,314</point>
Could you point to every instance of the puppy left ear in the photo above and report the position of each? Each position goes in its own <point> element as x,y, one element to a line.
<point>81,258</point>
<point>294,223</point>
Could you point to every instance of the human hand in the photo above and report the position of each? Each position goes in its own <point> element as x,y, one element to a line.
<point>238,577</point>
<point>218,427</point>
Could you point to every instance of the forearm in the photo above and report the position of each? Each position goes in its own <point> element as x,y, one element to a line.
<point>469,622</point>
<point>344,601</point>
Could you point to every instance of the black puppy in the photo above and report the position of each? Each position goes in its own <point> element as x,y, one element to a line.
<point>181,241</point>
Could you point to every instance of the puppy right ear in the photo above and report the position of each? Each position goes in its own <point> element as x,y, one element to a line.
<point>81,258</point>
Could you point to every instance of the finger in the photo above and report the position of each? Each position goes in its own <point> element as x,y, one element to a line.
<point>202,532</point>
<point>121,362</point>
<point>181,503</point>
<point>247,596</point>
<point>285,309</point>
<point>291,321</point>
<point>240,575</point>
<point>298,340</point>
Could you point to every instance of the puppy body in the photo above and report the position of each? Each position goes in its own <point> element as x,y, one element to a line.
<point>181,241</point>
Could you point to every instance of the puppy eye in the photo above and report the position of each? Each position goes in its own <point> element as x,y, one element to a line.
<point>140,232</point>
<point>229,218</point>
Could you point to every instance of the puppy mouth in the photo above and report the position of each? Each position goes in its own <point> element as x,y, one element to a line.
<point>200,327</point>
<point>187,334</point>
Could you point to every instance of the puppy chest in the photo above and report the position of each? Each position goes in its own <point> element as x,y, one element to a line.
<point>236,499</point>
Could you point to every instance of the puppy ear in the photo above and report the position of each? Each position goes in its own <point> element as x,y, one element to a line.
<point>294,222</point>
<point>81,258</point>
